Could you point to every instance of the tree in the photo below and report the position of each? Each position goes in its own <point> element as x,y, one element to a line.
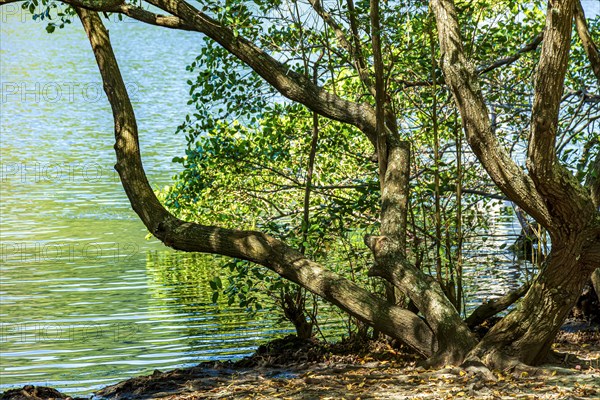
<point>565,201</point>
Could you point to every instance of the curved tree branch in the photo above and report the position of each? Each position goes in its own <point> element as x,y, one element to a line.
<point>151,18</point>
<point>589,46</point>
<point>531,46</point>
<point>485,68</point>
<point>289,83</point>
<point>105,5</point>
<point>552,179</point>
<point>121,7</point>
<point>247,245</point>
<point>464,84</point>
<point>493,307</point>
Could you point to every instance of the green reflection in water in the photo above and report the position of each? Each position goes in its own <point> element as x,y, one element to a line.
<point>84,299</point>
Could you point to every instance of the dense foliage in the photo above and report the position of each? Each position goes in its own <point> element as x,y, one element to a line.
<point>248,153</point>
<point>416,80</point>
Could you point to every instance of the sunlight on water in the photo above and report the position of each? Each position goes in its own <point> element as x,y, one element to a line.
<point>81,303</point>
<point>85,300</point>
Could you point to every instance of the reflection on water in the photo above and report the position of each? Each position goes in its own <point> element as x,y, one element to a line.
<point>84,323</point>
<point>84,300</point>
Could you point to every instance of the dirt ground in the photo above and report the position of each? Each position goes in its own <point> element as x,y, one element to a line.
<point>293,369</point>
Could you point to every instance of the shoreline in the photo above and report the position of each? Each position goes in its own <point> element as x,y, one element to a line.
<point>308,369</point>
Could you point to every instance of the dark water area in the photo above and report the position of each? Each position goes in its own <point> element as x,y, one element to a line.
<point>85,299</point>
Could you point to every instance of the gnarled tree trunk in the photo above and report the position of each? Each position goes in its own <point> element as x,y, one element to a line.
<point>527,333</point>
<point>549,192</point>
<point>248,245</point>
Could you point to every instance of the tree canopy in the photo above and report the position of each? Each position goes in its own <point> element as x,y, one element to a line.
<point>317,123</point>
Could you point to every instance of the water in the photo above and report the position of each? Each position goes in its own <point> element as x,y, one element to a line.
<point>85,300</point>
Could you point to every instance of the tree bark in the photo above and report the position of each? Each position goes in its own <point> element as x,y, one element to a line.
<point>463,82</point>
<point>596,282</point>
<point>593,181</point>
<point>563,195</point>
<point>453,337</point>
<point>289,83</point>
<point>549,192</point>
<point>589,46</point>
<point>527,333</point>
<point>493,307</point>
<point>248,245</point>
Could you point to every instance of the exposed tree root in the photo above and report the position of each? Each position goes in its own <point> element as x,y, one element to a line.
<point>476,367</point>
<point>497,361</point>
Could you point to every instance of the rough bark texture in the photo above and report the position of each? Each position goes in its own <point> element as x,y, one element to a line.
<point>253,246</point>
<point>267,251</point>
<point>563,195</point>
<point>454,339</point>
<point>493,307</point>
<point>550,193</point>
<point>463,81</point>
<point>527,333</point>
<point>586,39</point>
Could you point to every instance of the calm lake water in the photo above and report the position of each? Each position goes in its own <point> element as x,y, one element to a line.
<point>85,300</point>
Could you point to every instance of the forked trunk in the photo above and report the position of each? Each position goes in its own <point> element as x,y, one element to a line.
<point>546,190</point>
<point>248,245</point>
<point>527,333</point>
<point>453,337</point>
